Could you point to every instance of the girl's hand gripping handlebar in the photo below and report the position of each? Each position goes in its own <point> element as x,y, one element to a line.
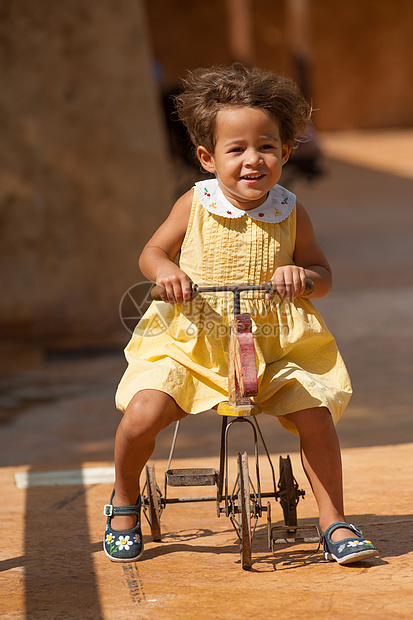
<point>236,289</point>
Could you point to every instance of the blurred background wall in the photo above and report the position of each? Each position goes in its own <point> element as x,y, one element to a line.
<point>85,165</point>
<point>353,58</point>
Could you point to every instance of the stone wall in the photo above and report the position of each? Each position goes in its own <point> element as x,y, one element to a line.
<point>83,168</point>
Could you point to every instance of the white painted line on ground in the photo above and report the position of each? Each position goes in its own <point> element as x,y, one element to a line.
<point>88,475</point>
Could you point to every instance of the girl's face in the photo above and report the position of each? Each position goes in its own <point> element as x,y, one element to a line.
<point>248,156</point>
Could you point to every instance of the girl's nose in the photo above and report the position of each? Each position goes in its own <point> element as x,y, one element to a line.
<point>253,158</point>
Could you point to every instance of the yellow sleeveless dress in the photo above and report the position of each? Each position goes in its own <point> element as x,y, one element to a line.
<point>182,349</point>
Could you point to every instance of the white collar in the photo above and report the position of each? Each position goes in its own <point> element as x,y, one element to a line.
<point>278,205</point>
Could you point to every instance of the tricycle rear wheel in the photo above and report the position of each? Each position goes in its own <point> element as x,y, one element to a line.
<point>154,502</point>
<point>287,493</point>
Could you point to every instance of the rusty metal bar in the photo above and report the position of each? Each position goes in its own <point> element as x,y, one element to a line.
<point>222,458</point>
<point>233,288</point>
<point>269,461</point>
<point>180,500</point>
<point>171,452</point>
<point>257,470</point>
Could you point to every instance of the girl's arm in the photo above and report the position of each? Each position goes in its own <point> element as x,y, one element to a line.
<point>157,259</point>
<point>309,262</point>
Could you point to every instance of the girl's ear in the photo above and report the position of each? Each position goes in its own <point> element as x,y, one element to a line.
<point>286,152</point>
<point>206,159</point>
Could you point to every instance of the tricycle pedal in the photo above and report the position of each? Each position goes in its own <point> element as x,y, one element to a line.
<point>295,534</point>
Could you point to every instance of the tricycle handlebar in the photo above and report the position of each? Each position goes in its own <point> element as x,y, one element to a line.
<point>236,289</point>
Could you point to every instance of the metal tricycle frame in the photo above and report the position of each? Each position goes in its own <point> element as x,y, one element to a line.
<point>244,503</point>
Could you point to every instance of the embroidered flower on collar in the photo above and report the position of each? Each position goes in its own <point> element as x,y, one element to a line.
<point>277,207</point>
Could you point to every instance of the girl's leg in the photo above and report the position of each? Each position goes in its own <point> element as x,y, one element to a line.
<point>321,459</point>
<point>148,413</point>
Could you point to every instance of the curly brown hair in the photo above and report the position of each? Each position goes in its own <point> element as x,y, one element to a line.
<point>208,90</point>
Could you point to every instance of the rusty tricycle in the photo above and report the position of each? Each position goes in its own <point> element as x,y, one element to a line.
<point>243,500</point>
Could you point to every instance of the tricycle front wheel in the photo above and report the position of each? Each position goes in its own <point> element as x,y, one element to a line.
<point>245,511</point>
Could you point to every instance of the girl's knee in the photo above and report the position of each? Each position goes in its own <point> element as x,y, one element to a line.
<point>317,419</point>
<point>148,413</point>
<point>140,404</point>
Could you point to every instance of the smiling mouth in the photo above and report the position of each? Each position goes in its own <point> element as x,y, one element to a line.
<point>253,177</point>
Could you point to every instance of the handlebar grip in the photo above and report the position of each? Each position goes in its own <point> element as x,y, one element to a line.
<point>156,295</point>
<point>309,287</point>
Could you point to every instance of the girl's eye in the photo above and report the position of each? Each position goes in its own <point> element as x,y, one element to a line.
<point>265,147</point>
<point>237,149</point>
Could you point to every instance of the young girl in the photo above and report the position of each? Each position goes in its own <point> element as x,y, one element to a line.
<point>240,227</point>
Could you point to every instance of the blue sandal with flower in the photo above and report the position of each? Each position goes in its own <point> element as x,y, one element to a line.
<point>349,549</point>
<point>125,545</point>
